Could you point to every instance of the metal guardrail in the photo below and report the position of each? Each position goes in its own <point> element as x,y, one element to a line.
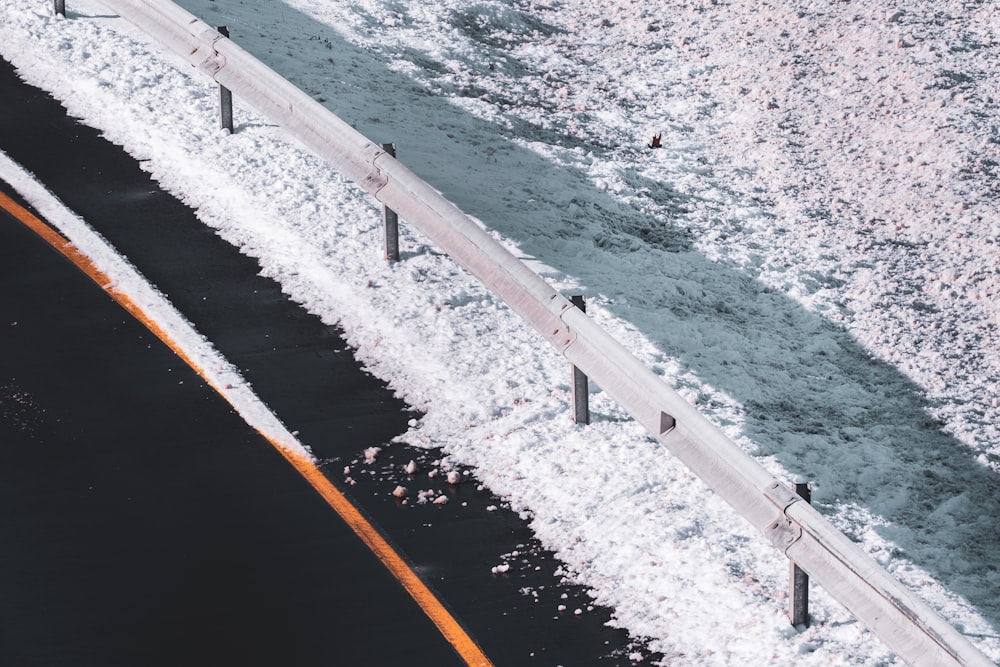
<point>907,625</point>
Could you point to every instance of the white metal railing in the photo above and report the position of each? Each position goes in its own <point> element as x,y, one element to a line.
<point>908,626</point>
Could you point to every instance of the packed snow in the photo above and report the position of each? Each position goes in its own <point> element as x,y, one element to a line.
<point>810,257</point>
<point>132,290</point>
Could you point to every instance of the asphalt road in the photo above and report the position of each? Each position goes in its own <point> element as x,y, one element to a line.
<point>145,523</point>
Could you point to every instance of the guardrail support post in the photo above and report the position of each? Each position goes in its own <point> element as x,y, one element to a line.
<point>798,586</point>
<point>60,6</point>
<point>390,220</point>
<point>581,389</point>
<point>225,96</point>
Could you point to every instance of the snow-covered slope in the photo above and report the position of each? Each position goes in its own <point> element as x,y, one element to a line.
<point>811,258</point>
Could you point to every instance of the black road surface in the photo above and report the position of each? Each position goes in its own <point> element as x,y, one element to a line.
<point>144,523</point>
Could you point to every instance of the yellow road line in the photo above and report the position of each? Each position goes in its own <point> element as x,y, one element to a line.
<point>435,610</point>
<point>82,262</point>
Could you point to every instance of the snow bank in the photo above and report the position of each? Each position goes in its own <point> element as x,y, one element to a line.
<point>811,258</point>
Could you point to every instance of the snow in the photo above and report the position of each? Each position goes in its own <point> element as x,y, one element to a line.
<point>177,332</point>
<point>811,258</point>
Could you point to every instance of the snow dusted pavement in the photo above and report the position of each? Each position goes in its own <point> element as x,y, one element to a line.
<point>811,258</point>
